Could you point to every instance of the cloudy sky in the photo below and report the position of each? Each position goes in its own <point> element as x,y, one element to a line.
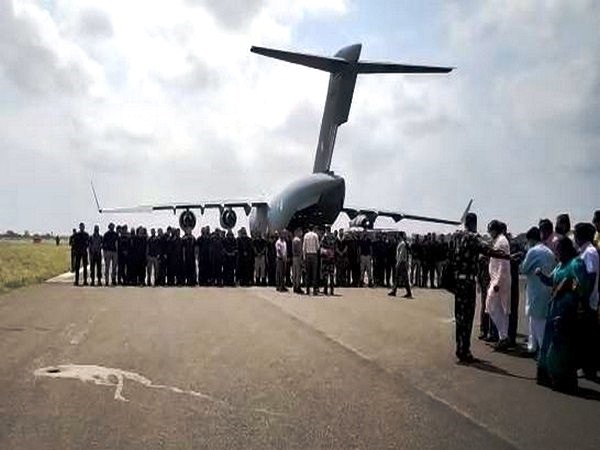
<point>162,101</point>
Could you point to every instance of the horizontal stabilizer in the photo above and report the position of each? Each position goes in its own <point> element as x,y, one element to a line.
<point>325,63</point>
<point>385,67</point>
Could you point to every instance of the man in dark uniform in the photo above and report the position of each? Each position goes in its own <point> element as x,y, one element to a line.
<point>80,244</point>
<point>216,258</point>
<point>179,268</point>
<point>162,257</point>
<point>468,245</point>
<point>341,260</point>
<point>72,245</point>
<point>189,257</point>
<point>260,260</point>
<point>132,258</point>
<point>171,256</point>
<point>378,260</point>
<point>230,257</point>
<point>109,246</point>
<point>513,317</point>
<point>245,258</point>
<point>95,249</point>
<point>203,245</point>
<point>153,255</point>
<point>271,259</point>
<point>353,260</point>
<point>123,254</point>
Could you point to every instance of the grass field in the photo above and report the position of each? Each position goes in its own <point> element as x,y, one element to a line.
<point>24,263</point>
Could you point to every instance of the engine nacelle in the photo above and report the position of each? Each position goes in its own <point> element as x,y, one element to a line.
<point>187,220</point>
<point>362,221</point>
<point>228,218</point>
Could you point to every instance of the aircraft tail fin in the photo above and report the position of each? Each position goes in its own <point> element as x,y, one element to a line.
<point>467,210</point>
<point>344,67</point>
<point>325,63</point>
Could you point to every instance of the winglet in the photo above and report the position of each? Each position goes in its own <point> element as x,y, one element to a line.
<point>464,216</point>
<point>96,197</point>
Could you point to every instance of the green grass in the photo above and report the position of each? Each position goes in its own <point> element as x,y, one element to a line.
<point>25,263</point>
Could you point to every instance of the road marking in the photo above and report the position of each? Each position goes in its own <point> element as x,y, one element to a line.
<point>107,376</point>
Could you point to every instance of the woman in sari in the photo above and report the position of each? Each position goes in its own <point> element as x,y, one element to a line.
<point>557,366</point>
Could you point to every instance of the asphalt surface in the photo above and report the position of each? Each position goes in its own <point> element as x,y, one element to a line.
<point>251,368</point>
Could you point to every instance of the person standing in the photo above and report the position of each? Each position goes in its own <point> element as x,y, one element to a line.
<point>401,268</point>
<point>203,244</point>
<point>152,268</point>
<point>245,258</point>
<point>230,257</point>
<point>557,361</point>
<point>189,257</point>
<point>161,239</point>
<point>72,245</point>
<point>297,262</point>
<point>596,222</point>
<point>327,250</point>
<point>281,255</point>
<point>538,295</point>
<point>366,266</point>
<point>109,247</point>
<point>549,237</point>
<point>310,249</point>
<point>260,260</point>
<point>95,251</point>
<point>466,248</point>
<point>498,298</point>
<point>123,254</point>
<point>588,332</point>
<point>80,245</point>
<point>216,258</point>
<point>487,329</point>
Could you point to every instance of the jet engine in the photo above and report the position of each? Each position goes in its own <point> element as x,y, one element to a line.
<point>362,221</point>
<point>228,218</point>
<point>187,220</point>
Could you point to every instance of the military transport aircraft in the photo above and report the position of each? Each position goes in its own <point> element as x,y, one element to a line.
<point>318,198</point>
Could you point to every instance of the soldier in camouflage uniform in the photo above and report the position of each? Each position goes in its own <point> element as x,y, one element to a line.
<point>467,247</point>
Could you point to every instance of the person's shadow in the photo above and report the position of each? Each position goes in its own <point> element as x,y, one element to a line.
<point>487,366</point>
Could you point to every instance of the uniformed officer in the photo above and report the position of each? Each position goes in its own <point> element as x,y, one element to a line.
<point>216,258</point>
<point>327,251</point>
<point>109,247</point>
<point>230,254</point>
<point>203,244</point>
<point>245,256</point>
<point>152,269</point>
<point>80,247</point>
<point>189,257</point>
<point>178,250</point>
<point>468,245</point>
<point>260,260</point>
<point>95,250</point>
<point>123,254</point>
<point>341,260</point>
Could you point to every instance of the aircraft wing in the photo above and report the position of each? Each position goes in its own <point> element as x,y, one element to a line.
<point>370,215</point>
<point>246,205</point>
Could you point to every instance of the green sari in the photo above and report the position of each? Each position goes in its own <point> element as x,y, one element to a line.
<point>557,360</point>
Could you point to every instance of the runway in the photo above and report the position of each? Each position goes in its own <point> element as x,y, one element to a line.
<point>252,368</point>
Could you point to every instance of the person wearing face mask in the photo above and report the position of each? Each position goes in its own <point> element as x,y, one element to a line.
<point>538,295</point>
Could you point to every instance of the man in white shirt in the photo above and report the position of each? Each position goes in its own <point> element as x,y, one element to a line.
<point>281,255</point>
<point>310,249</point>
<point>401,268</point>
<point>498,298</point>
<point>584,236</point>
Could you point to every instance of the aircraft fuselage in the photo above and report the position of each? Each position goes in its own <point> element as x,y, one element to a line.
<point>316,199</point>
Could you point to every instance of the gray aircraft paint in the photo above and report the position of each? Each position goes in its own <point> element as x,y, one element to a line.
<point>316,199</point>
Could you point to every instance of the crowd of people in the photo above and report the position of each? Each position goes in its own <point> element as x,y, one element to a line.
<point>307,259</point>
<point>561,267</point>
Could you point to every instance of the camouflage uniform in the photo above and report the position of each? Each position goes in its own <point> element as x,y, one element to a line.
<point>466,250</point>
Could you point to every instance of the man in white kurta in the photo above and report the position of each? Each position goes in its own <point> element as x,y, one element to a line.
<point>498,299</point>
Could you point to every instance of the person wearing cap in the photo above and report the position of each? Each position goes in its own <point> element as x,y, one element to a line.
<point>467,245</point>
<point>109,249</point>
<point>538,295</point>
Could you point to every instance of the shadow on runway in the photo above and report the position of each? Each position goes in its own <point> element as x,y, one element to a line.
<point>487,366</point>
